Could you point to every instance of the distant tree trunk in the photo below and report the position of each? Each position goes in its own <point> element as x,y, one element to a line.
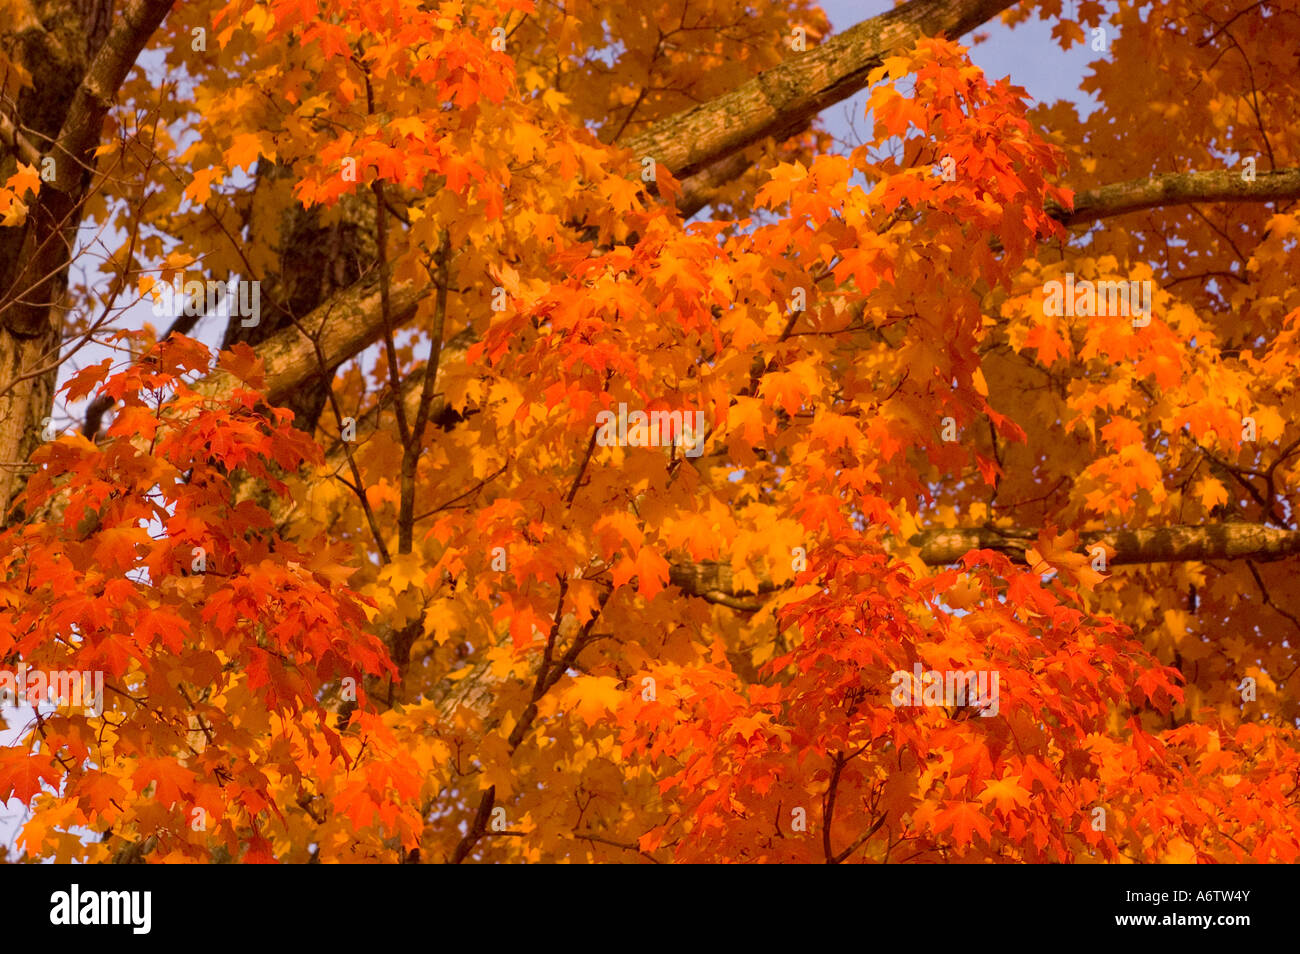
<point>52,41</point>
<point>322,252</point>
<point>77,52</point>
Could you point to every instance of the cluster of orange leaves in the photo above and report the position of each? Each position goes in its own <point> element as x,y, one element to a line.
<point>818,438</point>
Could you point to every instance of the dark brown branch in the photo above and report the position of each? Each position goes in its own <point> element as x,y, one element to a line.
<point>84,122</point>
<point>414,445</point>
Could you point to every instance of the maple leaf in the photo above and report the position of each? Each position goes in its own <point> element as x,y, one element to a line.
<point>171,782</point>
<point>592,698</point>
<point>784,182</point>
<point>962,818</point>
<point>1068,33</point>
<point>244,363</point>
<point>364,647</point>
<point>200,187</point>
<point>26,180</point>
<point>117,547</point>
<point>23,776</point>
<point>1006,793</point>
<point>87,379</point>
<point>651,572</point>
<point>243,152</point>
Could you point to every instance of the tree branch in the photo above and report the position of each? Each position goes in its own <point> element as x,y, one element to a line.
<point>780,100</point>
<point>84,122</point>
<point>414,445</point>
<point>1178,188</point>
<point>352,320</point>
<point>348,323</point>
<point>1174,544</point>
<point>16,141</point>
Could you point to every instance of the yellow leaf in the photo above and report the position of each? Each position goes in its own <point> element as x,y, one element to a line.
<point>244,150</point>
<point>407,569</point>
<point>26,179</point>
<point>593,697</point>
<point>1180,852</point>
<point>14,210</point>
<point>1005,794</point>
<point>1211,493</point>
<point>200,186</point>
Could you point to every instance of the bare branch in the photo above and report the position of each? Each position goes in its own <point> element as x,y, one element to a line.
<point>1174,544</point>
<point>1178,188</point>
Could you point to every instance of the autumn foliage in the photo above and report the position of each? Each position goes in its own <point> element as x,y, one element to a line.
<point>435,620</point>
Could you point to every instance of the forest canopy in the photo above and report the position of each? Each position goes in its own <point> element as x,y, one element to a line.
<point>520,431</point>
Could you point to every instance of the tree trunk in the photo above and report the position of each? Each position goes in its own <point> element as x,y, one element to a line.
<point>322,252</point>
<point>52,42</point>
<point>78,54</point>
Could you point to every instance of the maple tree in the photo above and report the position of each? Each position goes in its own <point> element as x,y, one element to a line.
<point>365,586</point>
